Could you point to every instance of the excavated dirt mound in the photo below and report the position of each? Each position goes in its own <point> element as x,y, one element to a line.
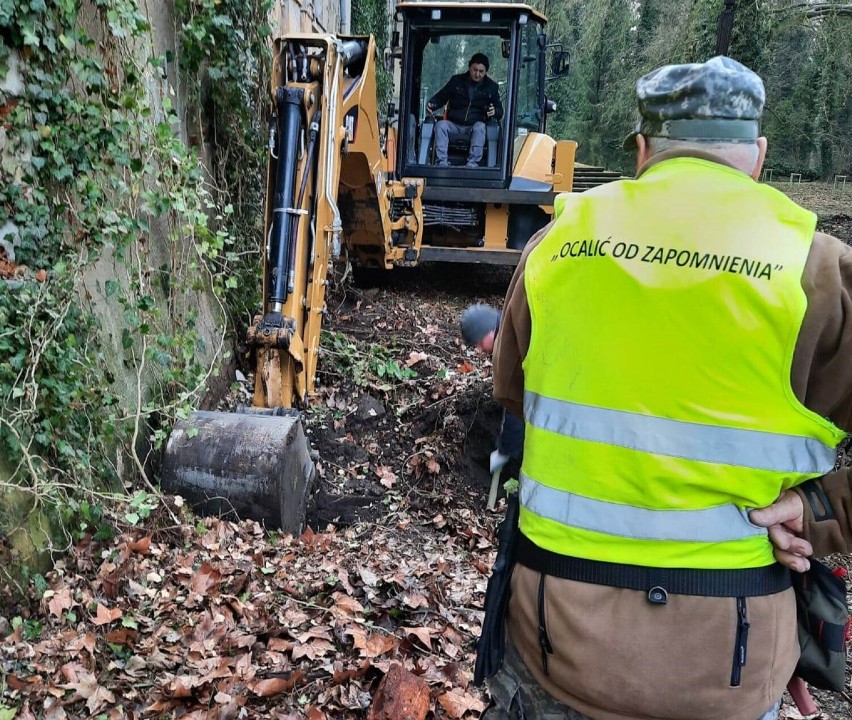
<point>402,402</point>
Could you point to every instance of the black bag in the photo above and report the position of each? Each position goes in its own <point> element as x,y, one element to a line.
<point>492,643</point>
<point>823,620</point>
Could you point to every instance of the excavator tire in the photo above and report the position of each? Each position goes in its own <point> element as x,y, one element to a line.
<point>241,465</point>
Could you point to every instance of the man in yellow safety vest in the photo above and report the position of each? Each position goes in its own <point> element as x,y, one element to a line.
<point>679,347</point>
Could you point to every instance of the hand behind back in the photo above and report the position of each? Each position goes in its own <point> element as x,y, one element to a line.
<point>785,520</point>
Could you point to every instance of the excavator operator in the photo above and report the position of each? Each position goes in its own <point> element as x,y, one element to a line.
<point>678,345</point>
<point>472,99</point>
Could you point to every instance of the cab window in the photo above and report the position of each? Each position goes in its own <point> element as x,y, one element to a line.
<point>528,109</point>
<point>448,55</point>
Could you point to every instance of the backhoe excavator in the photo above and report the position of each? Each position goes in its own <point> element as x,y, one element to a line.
<point>339,185</point>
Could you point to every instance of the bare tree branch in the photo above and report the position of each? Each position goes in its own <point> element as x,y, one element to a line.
<point>817,10</point>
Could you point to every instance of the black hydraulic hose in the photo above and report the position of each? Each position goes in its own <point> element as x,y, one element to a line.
<point>309,167</point>
<point>289,105</point>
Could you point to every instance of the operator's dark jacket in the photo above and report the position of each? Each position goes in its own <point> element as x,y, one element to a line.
<point>462,110</point>
<point>598,632</point>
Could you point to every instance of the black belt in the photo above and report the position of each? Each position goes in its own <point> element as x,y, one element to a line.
<point>657,582</point>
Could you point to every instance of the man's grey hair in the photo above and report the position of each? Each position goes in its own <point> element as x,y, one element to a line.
<point>741,155</point>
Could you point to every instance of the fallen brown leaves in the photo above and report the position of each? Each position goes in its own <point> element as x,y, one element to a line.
<point>223,621</point>
<point>12,271</point>
<point>216,620</point>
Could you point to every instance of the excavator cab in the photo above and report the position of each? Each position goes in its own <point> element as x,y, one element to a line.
<point>438,43</point>
<point>486,213</point>
<point>435,55</point>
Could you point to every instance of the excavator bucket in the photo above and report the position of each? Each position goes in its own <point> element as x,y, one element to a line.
<point>241,465</point>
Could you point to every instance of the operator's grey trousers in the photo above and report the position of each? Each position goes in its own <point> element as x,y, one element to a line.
<point>446,131</point>
<point>515,695</point>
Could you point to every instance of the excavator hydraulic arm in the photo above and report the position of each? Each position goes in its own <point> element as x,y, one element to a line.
<point>324,154</point>
<point>328,161</point>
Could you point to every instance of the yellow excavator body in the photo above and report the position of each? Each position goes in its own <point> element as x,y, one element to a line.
<point>344,186</point>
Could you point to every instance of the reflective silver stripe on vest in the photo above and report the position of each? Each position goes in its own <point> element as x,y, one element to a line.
<point>691,441</point>
<point>718,524</point>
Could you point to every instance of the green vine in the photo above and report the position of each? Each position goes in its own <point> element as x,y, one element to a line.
<point>131,233</point>
<point>225,57</point>
<point>370,17</point>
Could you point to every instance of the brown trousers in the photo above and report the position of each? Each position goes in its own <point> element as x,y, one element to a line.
<point>515,695</point>
<point>616,656</point>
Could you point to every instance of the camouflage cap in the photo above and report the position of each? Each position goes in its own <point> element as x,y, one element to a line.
<point>720,100</point>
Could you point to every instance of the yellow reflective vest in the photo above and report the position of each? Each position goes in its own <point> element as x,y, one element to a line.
<point>658,407</point>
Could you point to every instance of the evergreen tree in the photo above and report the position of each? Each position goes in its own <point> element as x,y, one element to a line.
<point>596,111</point>
<point>802,50</point>
<point>700,41</point>
<point>832,106</point>
<point>751,35</point>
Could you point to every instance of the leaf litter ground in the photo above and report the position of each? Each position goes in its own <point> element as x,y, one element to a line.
<point>217,620</point>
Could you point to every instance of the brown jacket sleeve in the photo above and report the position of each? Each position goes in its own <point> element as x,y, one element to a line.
<point>513,338</point>
<point>831,535</point>
<point>822,378</point>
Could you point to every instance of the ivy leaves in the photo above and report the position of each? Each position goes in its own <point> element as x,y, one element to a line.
<point>95,169</point>
<point>54,394</point>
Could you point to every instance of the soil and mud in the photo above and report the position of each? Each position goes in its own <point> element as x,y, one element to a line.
<point>435,429</point>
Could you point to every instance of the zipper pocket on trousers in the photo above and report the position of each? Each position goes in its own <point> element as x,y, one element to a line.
<point>741,643</point>
<point>543,639</point>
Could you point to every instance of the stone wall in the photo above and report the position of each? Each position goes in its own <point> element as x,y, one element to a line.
<point>310,16</point>
<point>24,541</point>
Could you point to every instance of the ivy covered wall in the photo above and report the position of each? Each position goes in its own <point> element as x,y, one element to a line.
<point>132,161</point>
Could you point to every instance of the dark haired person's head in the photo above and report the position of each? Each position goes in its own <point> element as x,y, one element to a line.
<point>478,67</point>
